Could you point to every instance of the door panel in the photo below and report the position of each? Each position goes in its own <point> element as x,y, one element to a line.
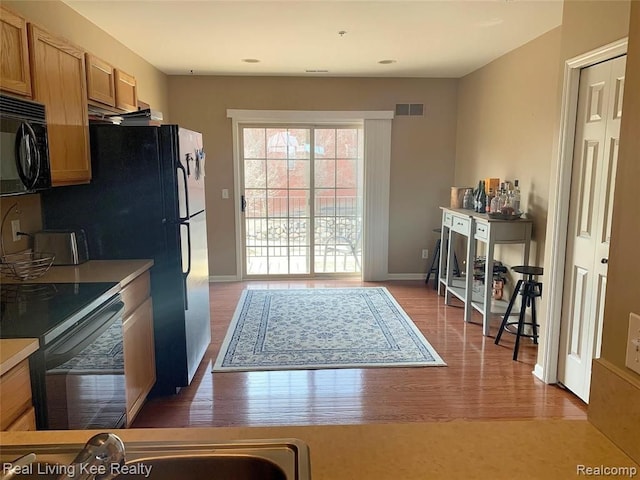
<point>303,200</point>
<point>589,228</point>
<point>192,158</point>
<point>197,316</point>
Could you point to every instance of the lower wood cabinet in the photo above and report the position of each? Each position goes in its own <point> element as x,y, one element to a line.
<point>16,408</point>
<point>139,347</point>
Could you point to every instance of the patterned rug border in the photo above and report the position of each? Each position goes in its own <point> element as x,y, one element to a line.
<point>409,325</point>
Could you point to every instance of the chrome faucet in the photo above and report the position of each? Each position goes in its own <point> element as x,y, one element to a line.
<point>101,459</point>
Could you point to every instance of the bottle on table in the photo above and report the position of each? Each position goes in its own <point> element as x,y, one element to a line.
<point>489,200</point>
<point>467,201</point>
<point>482,200</point>
<point>476,206</point>
<point>516,196</point>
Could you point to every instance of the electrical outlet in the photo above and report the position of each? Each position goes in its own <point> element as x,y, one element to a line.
<point>225,193</point>
<point>633,343</point>
<point>15,228</point>
<point>425,253</point>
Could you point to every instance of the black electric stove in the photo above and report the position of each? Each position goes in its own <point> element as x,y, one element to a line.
<point>45,310</point>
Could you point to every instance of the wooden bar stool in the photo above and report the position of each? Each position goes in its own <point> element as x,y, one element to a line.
<point>435,262</point>
<point>530,290</point>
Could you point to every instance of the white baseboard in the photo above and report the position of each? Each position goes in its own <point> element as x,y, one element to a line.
<point>223,278</point>
<point>538,372</point>
<point>391,276</point>
<point>406,276</point>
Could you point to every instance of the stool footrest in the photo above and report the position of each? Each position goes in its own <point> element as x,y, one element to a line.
<point>508,330</point>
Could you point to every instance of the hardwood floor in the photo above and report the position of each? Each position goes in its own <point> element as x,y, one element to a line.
<point>481,381</point>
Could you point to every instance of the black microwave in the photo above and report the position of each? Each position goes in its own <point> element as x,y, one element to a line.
<point>24,150</point>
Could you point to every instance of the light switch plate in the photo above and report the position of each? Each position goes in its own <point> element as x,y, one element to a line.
<point>633,343</point>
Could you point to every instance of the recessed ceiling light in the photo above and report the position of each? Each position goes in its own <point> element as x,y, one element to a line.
<point>491,22</point>
<point>250,60</point>
<point>386,62</point>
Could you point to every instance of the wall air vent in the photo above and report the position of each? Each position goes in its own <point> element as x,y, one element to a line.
<point>316,71</point>
<point>409,109</point>
<point>402,109</point>
<point>416,109</point>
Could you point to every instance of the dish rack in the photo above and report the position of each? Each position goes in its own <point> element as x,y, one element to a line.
<point>25,265</point>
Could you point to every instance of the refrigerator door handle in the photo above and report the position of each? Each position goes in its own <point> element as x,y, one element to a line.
<point>186,193</point>
<point>186,273</point>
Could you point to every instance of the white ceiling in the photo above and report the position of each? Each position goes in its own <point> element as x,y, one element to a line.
<point>447,38</point>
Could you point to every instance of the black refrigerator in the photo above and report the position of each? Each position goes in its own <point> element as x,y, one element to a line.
<point>146,200</point>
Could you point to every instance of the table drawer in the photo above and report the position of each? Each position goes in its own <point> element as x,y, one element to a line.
<point>482,231</point>
<point>447,219</point>
<point>461,225</point>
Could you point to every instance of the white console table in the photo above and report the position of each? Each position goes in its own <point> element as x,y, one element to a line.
<point>477,227</point>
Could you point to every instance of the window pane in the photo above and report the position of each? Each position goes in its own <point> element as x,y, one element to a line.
<point>298,147</point>
<point>347,175</point>
<point>325,142</point>
<point>255,174</point>
<point>254,142</point>
<point>277,173</point>
<point>277,203</point>
<point>299,174</point>
<point>299,203</point>
<point>325,173</point>
<point>347,143</point>
<point>256,203</point>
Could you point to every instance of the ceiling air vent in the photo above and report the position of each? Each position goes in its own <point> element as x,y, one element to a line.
<point>410,109</point>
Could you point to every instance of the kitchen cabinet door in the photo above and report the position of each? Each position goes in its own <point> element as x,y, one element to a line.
<point>126,91</point>
<point>59,82</point>
<point>16,411</point>
<point>100,81</point>
<point>15,76</point>
<point>139,357</point>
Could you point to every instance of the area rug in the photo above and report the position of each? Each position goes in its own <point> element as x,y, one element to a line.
<point>322,328</point>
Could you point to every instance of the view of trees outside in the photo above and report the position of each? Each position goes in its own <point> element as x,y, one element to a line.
<point>278,165</point>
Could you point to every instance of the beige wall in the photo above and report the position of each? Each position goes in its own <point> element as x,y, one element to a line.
<point>422,154</point>
<point>26,209</point>
<point>514,102</point>
<point>506,113</point>
<point>615,389</point>
<point>60,19</point>
<point>586,25</point>
<point>623,285</point>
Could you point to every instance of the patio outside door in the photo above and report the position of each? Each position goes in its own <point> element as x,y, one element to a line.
<point>302,201</point>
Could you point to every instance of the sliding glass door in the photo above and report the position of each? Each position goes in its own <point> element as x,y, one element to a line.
<point>302,200</point>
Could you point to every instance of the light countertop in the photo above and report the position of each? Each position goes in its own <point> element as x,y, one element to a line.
<point>122,271</point>
<point>546,449</point>
<point>15,350</point>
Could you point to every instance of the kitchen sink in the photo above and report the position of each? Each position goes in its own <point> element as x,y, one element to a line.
<point>280,459</point>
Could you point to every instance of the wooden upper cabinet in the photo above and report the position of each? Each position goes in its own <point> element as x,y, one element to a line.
<point>15,76</point>
<point>59,82</point>
<point>126,91</point>
<point>100,81</point>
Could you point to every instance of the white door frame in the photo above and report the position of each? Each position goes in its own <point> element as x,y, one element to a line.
<point>377,161</point>
<point>559,203</point>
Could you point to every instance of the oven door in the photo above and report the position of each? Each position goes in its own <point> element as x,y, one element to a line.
<point>84,373</point>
